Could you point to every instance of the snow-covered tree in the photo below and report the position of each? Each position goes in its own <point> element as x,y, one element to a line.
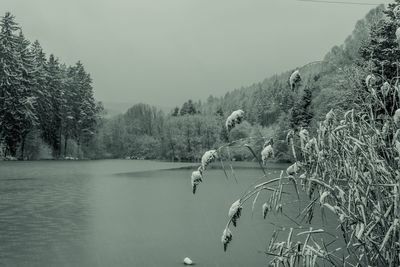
<point>86,110</point>
<point>382,50</point>
<point>27,100</point>
<point>53,119</point>
<point>16,103</point>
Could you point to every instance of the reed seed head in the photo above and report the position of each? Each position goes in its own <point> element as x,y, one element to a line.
<point>196,179</point>
<point>293,169</point>
<point>370,80</point>
<point>226,238</point>
<point>207,158</point>
<point>304,135</point>
<point>396,12</point>
<point>396,117</point>
<point>266,207</point>
<point>266,153</point>
<point>235,118</point>
<point>235,211</point>
<point>294,79</point>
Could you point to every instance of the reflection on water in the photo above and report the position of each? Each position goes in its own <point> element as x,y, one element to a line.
<point>115,213</point>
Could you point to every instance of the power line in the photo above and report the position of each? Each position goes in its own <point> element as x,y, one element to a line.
<point>341,2</point>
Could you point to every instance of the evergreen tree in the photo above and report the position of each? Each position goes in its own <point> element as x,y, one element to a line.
<point>11,96</point>
<point>175,112</point>
<point>41,96</point>
<point>86,109</point>
<point>70,100</point>
<point>40,91</point>
<point>27,101</point>
<point>188,108</point>
<point>53,125</point>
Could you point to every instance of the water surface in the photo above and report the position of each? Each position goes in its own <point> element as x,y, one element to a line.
<point>125,213</point>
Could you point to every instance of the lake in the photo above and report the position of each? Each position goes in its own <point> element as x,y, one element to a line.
<point>126,213</point>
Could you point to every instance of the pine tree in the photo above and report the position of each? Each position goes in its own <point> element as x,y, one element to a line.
<point>43,103</point>
<point>175,112</point>
<point>53,125</point>
<point>86,112</point>
<point>10,84</point>
<point>188,108</point>
<point>27,100</point>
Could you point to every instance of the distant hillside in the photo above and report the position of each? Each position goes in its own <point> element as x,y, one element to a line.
<point>263,101</point>
<point>271,107</point>
<point>115,108</point>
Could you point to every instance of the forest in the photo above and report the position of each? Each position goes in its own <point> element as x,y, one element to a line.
<point>272,108</point>
<point>45,105</point>
<point>48,109</point>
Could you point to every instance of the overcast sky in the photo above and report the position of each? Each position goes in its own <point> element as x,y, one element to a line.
<point>164,52</point>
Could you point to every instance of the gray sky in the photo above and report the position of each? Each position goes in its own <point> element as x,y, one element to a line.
<point>164,52</point>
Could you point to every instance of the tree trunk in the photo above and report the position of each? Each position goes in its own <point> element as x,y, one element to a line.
<point>65,145</point>
<point>22,147</point>
<point>12,149</point>
<point>78,145</point>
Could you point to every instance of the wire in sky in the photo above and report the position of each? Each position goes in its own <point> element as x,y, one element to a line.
<point>341,2</point>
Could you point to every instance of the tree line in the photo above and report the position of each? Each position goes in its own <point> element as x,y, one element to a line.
<point>272,107</point>
<point>45,101</point>
<point>42,100</point>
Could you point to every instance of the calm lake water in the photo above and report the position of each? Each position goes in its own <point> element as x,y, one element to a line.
<point>125,213</point>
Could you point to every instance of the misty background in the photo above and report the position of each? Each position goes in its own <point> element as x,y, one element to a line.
<point>164,52</point>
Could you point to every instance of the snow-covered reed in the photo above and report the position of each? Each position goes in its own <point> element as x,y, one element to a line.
<point>208,157</point>
<point>348,168</point>
<point>396,117</point>
<point>226,238</point>
<point>235,211</point>
<point>396,12</point>
<point>235,118</point>
<point>294,79</point>
<point>370,80</point>
<point>267,153</point>
<point>196,179</point>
